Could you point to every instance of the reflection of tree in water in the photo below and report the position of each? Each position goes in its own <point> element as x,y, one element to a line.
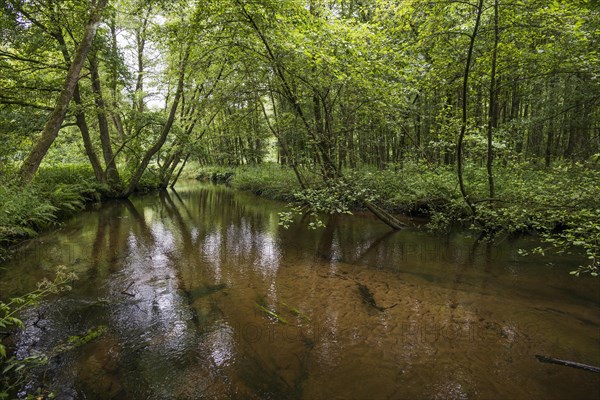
<point>236,234</point>
<point>238,249</point>
<point>108,244</point>
<point>157,332</point>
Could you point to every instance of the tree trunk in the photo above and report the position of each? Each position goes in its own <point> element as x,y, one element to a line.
<point>573,364</point>
<point>388,219</point>
<point>282,143</point>
<point>169,168</point>
<point>140,38</point>
<point>116,117</point>
<point>180,170</point>
<point>56,118</point>
<point>463,127</point>
<point>112,172</point>
<point>493,111</point>
<point>85,135</point>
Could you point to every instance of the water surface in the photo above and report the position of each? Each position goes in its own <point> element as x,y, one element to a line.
<point>204,296</point>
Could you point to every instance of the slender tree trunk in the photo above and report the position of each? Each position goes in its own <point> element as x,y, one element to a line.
<point>140,38</point>
<point>463,127</point>
<point>549,144</point>
<point>56,118</point>
<point>493,111</point>
<point>180,170</point>
<point>115,116</point>
<point>282,143</point>
<point>112,172</point>
<point>515,101</point>
<point>169,168</point>
<point>85,135</point>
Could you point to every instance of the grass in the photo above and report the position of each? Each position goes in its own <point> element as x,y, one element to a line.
<point>268,180</point>
<point>521,190</point>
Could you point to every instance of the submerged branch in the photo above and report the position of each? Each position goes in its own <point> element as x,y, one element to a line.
<point>572,364</point>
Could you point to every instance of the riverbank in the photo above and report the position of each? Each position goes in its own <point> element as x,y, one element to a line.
<point>561,204</point>
<point>55,193</point>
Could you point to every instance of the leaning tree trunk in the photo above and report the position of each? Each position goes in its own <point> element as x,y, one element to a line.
<point>37,154</point>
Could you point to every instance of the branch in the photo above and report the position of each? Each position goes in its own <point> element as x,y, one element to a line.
<point>572,364</point>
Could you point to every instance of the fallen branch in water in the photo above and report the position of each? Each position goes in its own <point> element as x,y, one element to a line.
<point>550,360</point>
<point>126,290</point>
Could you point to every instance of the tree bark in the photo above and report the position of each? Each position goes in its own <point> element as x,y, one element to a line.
<point>463,127</point>
<point>493,111</point>
<point>56,118</point>
<point>85,135</point>
<point>112,173</point>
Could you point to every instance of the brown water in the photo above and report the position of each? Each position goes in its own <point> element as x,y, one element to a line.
<point>357,311</point>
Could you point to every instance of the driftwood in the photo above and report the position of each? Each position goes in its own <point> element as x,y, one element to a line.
<point>550,360</point>
<point>126,290</point>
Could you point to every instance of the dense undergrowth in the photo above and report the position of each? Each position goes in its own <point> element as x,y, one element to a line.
<point>560,204</point>
<point>55,192</point>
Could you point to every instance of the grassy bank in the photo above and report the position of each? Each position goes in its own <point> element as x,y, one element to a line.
<point>561,204</point>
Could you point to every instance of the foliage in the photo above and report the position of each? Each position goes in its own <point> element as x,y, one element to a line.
<point>526,203</point>
<point>55,191</point>
<point>269,180</point>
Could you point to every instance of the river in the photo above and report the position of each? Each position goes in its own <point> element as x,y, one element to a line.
<point>204,296</point>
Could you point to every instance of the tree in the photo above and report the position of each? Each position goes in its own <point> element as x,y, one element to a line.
<point>55,120</point>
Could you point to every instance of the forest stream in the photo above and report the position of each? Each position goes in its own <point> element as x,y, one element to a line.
<point>204,296</point>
